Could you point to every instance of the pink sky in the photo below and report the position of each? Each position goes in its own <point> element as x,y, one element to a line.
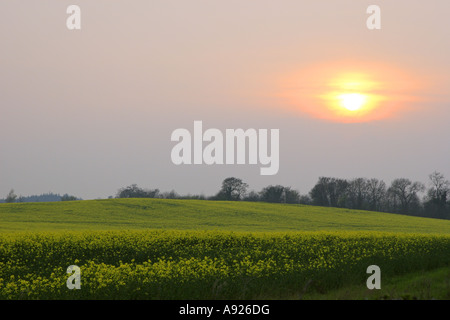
<point>87,112</point>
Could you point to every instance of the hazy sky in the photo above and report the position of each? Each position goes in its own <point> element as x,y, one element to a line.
<point>89,111</point>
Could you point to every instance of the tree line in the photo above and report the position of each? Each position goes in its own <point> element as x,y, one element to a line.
<point>401,196</point>
<point>12,197</point>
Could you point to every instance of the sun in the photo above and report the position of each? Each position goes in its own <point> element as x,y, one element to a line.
<point>350,91</point>
<point>352,101</point>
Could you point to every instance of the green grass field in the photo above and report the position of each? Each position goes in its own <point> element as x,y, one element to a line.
<point>193,249</point>
<point>135,214</point>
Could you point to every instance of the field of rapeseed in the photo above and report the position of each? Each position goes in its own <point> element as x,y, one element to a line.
<point>158,264</point>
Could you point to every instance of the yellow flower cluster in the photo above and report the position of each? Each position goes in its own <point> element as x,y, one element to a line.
<point>156,264</point>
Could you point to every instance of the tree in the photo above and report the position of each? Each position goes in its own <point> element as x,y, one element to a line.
<point>440,187</point>
<point>232,189</point>
<point>319,193</point>
<point>405,192</point>
<point>305,199</point>
<point>171,195</point>
<point>376,193</point>
<point>134,191</point>
<point>436,199</point>
<point>273,194</point>
<point>330,192</point>
<point>67,197</point>
<point>11,197</point>
<point>357,194</point>
<point>252,196</point>
<point>291,195</point>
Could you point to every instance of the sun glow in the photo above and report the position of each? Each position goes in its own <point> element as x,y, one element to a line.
<point>350,91</point>
<point>352,101</point>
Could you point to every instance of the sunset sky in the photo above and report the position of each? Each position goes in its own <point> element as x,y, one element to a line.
<point>89,111</point>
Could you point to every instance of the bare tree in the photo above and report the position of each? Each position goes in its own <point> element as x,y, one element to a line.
<point>376,193</point>
<point>357,194</point>
<point>405,191</point>
<point>435,201</point>
<point>440,187</point>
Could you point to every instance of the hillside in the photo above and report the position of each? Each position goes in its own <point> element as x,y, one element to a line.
<point>124,214</point>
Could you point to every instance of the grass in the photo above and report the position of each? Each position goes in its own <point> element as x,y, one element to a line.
<point>135,214</point>
<point>194,249</point>
<point>423,285</point>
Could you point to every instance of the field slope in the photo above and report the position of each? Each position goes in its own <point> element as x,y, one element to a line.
<point>135,214</point>
<point>193,249</point>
